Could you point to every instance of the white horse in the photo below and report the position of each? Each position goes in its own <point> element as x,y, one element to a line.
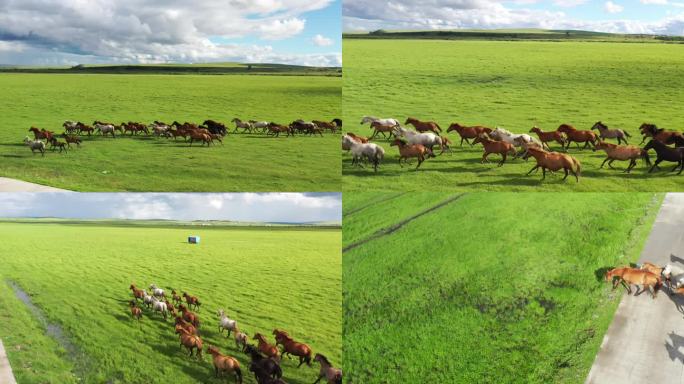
<point>360,151</point>
<point>372,119</point>
<point>159,306</point>
<point>226,323</point>
<point>244,125</point>
<point>156,291</point>
<point>427,139</point>
<point>240,339</point>
<point>510,137</point>
<point>674,274</point>
<point>262,125</point>
<point>148,299</point>
<point>105,129</point>
<point>35,145</point>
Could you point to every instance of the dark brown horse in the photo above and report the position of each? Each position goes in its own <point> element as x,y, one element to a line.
<point>665,153</point>
<point>660,134</point>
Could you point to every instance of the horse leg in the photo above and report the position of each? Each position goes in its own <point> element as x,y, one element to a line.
<point>463,138</point>
<point>673,169</point>
<point>543,173</point>
<point>681,167</point>
<point>503,160</point>
<point>420,161</point>
<point>533,168</point>
<point>610,163</point>
<point>604,162</point>
<point>566,173</point>
<point>319,379</point>
<point>655,164</point>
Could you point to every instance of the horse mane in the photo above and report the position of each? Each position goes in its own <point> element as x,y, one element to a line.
<point>325,359</point>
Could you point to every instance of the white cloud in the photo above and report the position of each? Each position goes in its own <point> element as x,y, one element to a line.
<point>252,207</point>
<point>360,15</point>
<point>152,31</point>
<point>611,7</point>
<point>660,2</point>
<point>321,41</point>
<point>569,3</point>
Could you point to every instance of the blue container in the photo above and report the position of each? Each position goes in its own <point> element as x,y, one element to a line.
<point>193,239</point>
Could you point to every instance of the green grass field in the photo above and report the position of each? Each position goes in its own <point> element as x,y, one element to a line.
<point>243,163</point>
<point>78,275</point>
<point>515,85</point>
<point>490,288</point>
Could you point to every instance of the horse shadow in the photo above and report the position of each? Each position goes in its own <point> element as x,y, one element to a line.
<point>600,273</point>
<point>676,259</point>
<point>675,346</point>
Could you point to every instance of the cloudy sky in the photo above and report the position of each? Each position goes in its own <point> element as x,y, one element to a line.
<point>618,16</point>
<point>253,207</point>
<point>67,32</point>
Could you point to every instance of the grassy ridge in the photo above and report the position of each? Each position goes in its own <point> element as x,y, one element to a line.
<point>515,85</point>
<point>492,288</point>
<point>243,163</point>
<point>78,276</point>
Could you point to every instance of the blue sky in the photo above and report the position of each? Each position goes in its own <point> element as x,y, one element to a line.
<point>304,32</point>
<point>246,207</point>
<point>619,16</point>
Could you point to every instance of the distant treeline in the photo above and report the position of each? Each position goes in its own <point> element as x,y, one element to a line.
<point>247,69</point>
<point>552,35</point>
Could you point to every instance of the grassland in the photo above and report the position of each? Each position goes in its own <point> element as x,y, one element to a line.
<point>78,277</point>
<point>515,85</point>
<point>490,288</point>
<point>243,163</point>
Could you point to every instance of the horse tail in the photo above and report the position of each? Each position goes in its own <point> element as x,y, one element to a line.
<point>626,133</point>
<point>646,157</point>
<point>238,373</point>
<point>278,371</point>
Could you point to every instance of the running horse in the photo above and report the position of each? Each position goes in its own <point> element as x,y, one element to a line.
<point>660,134</point>
<point>607,133</point>
<point>424,126</point>
<point>577,136</point>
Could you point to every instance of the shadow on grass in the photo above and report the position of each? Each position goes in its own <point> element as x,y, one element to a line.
<point>674,347</point>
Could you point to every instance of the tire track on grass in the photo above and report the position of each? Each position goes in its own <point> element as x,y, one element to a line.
<point>54,331</point>
<point>395,227</point>
<point>361,208</point>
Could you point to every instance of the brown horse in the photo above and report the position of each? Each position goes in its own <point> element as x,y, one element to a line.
<point>607,133</point>
<point>225,364</point>
<point>407,151</point>
<point>41,133</point>
<point>189,316</point>
<point>136,312</point>
<point>424,126</point>
<point>71,139</point>
<point>291,347</point>
<point>191,342</point>
<point>182,324</point>
<point>623,153</point>
<point>660,134</point>
<point>554,161</point>
<point>170,307</point>
<point>577,136</point>
<point>276,129</point>
<point>331,126</point>
<point>378,128</point>
<point>176,299</point>
<point>267,349</point>
<point>197,135</point>
<point>493,146</point>
<point>548,137</point>
<point>629,276</point>
<point>192,300</point>
<point>467,133</point>
<point>137,293</point>
<point>654,269</point>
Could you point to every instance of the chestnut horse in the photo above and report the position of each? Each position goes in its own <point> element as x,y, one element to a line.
<point>467,133</point>
<point>266,348</point>
<point>182,324</point>
<point>380,128</point>
<point>136,312</point>
<point>189,316</point>
<point>225,364</point>
<point>176,299</point>
<point>577,136</point>
<point>291,347</point>
<point>554,161</point>
<point>629,276</point>
<point>406,151</point>
<point>191,342</point>
<point>192,300</point>
<point>623,153</point>
<point>137,293</point>
<point>547,137</point>
<point>493,146</point>
<point>424,126</point>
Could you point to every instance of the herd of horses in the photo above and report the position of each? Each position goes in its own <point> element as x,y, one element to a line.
<point>207,133</point>
<point>648,277</point>
<point>265,356</point>
<point>421,143</point>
